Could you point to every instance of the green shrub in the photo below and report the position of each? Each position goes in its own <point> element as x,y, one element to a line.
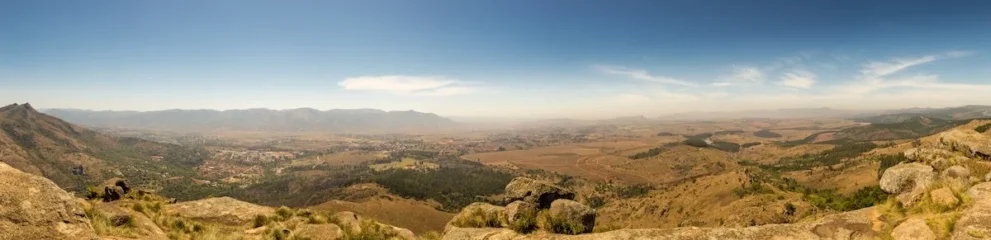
<point>549,223</point>
<point>478,218</point>
<point>526,221</point>
<point>284,213</point>
<point>983,128</point>
<point>139,207</point>
<point>261,220</point>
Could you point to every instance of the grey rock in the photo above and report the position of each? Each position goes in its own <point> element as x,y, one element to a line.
<point>34,206</point>
<point>539,193</point>
<point>913,229</point>
<point>574,212</point>
<point>909,181</point>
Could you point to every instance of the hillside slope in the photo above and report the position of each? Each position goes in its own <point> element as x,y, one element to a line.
<point>75,157</point>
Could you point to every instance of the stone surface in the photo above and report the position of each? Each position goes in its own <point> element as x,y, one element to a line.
<point>855,225</point>
<point>944,197</point>
<point>348,220</point>
<point>33,206</point>
<point>913,229</point>
<point>974,223</point>
<point>957,172</point>
<point>968,142</point>
<point>980,192</point>
<point>539,193</point>
<point>572,211</point>
<point>514,209</point>
<point>908,180</point>
<point>114,189</point>
<point>936,157</point>
<point>224,210</point>
<point>319,231</point>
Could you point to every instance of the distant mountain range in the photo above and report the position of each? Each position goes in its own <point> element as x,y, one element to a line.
<point>871,116</point>
<point>953,113</point>
<point>293,120</point>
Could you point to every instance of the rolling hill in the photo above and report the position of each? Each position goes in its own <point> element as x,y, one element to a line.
<point>293,120</point>
<point>74,157</point>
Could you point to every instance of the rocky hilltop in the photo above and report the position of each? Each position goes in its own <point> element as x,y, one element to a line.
<point>34,207</point>
<point>942,192</point>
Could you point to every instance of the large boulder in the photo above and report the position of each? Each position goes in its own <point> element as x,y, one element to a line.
<point>33,206</point>
<point>353,224</point>
<point>980,192</point>
<point>515,210</point>
<point>319,231</point>
<point>936,157</point>
<point>478,215</point>
<point>224,210</point>
<point>968,142</point>
<point>913,229</point>
<point>571,212</point>
<point>539,193</point>
<point>975,222</point>
<point>114,189</point>
<point>909,181</point>
<point>944,197</point>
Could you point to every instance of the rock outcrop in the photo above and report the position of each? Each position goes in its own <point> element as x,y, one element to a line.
<point>223,210</point>
<point>114,189</point>
<point>944,197</point>
<point>536,192</point>
<point>913,229</point>
<point>936,157</point>
<point>514,210</point>
<point>573,213</point>
<point>909,181</point>
<point>967,141</point>
<point>850,225</point>
<point>33,206</point>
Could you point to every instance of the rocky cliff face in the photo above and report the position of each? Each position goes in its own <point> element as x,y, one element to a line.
<point>32,207</point>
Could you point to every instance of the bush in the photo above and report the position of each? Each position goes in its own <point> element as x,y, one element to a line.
<point>559,225</point>
<point>525,222</point>
<point>479,218</point>
<point>284,212</point>
<point>261,220</point>
<point>983,128</point>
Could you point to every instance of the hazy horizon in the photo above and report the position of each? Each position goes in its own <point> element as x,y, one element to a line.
<point>505,59</point>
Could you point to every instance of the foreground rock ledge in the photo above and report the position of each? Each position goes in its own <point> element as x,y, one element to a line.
<point>848,225</point>
<point>32,207</point>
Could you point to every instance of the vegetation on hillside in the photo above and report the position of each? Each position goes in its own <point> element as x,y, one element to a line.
<point>766,133</point>
<point>983,128</point>
<point>822,159</point>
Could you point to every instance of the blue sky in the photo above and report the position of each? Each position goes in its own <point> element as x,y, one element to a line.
<point>583,59</point>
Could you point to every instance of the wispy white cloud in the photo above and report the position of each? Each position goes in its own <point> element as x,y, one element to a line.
<point>875,69</point>
<point>639,74</point>
<point>408,85</point>
<point>878,69</point>
<point>742,75</point>
<point>875,75</point>
<point>798,79</point>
